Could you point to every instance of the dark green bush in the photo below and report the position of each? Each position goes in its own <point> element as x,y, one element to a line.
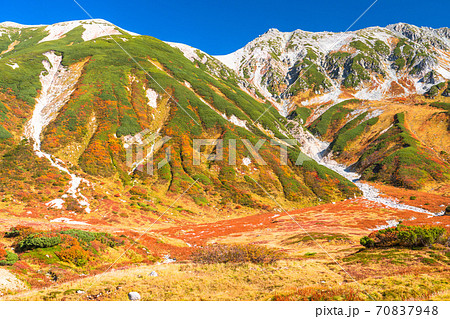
<point>18,231</point>
<point>442,105</point>
<point>367,242</point>
<point>406,236</point>
<point>39,240</point>
<point>418,236</point>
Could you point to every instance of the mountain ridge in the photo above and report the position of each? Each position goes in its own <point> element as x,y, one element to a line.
<point>112,100</point>
<point>286,54</point>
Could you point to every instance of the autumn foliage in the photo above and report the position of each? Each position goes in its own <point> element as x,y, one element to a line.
<point>236,254</point>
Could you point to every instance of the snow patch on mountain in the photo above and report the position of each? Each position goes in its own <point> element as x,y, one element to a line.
<point>231,60</point>
<point>246,161</point>
<point>58,31</point>
<point>332,96</point>
<point>56,203</point>
<point>97,30</point>
<point>67,221</point>
<point>445,73</point>
<point>389,224</point>
<point>233,119</point>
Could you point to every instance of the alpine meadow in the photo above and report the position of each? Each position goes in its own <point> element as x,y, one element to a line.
<point>303,166</point>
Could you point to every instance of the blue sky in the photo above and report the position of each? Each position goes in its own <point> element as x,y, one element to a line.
<point>220,27</point>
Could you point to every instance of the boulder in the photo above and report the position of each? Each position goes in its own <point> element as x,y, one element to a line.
<point>134,296</point>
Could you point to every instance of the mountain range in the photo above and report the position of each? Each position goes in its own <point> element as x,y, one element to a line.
<point>76,96</point>
<point>322,173</point>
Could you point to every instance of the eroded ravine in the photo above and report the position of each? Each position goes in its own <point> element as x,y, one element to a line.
<point>315,148</point>
<point>58,83</point>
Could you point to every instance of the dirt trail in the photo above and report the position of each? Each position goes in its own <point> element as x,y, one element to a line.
<point>9,282</point>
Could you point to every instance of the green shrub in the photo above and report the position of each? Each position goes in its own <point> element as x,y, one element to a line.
<point>331,117</point>
<point>417,236</point>
<point>406,236</point>
<point>4,133</point>
<point>9,260</point>
<point>19,231</point>
<point>442,105</point>
<point>367,242</point>
<point>39,240</point>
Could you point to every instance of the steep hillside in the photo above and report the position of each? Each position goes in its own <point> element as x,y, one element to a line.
<point>348,87</point>
<point>86,104</point>
<point>402,144</point>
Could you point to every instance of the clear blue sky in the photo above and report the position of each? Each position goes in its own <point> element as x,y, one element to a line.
<point>220,27</point>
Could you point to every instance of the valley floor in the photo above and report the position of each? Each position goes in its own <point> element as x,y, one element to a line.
<point>333,266</point>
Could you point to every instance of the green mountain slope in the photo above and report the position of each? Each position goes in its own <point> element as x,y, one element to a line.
<point>110,104</point>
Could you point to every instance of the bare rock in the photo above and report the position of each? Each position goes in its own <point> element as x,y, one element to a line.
<point>134,296</point>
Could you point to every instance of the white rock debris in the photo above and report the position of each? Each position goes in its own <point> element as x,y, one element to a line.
<point>67,221</point>
<point>274,55</point>
<point>315,148</point>
<point>56,203</point>
<point>332,96</point>
<point>233,119</point>
<point>13,65</point>
<point>190,52</point>
<point>152,97</point>
<point>134,296</point>
<point>93,29</point>
<point>389,224</point>
<point>246,161</point>
<point>58,83</point>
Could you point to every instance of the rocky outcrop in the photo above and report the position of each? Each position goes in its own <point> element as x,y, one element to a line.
<point>283,64</point>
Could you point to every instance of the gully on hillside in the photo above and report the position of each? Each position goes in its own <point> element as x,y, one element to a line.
<point>58,83</point>
<point>315,148</point>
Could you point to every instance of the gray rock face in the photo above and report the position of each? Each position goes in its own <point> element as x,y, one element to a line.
<point>444,32</point>
<point>281,64</point>
<point>134,296</point>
